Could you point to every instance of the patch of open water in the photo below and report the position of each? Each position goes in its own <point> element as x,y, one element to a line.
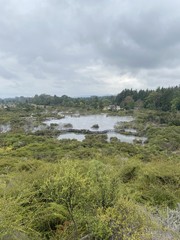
<point>5,128</point>
<point>86,122</point>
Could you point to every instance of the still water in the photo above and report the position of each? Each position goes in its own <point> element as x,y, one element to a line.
<point>5,128</point>
<point>121,137</point>
<point>86,122</point>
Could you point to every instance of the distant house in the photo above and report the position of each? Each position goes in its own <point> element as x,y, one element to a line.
<point>5,107</point>
<point>37,106</point>
<point>118,108</point>
<point>112,108</point>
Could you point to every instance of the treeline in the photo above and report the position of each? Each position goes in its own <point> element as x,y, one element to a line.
<point>92,102</point>
<point>165,99</point>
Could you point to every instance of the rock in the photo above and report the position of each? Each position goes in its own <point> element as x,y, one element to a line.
<point>68,125</point>
<point>96,126</point>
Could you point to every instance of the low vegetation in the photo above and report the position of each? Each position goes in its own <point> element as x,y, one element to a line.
<point>94,189</point>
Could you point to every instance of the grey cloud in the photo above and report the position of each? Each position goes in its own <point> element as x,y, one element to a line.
<point>6,74</point>
<point>55,42</point>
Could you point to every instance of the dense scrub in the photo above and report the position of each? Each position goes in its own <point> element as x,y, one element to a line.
<point>94,189</point>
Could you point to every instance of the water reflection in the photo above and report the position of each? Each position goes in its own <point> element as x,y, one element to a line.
<point>103,121</point>
<point>130,130</point>
<point>121,137</point>
<point>79,137</point>
<point>86,122</point>
<point>5,128</point>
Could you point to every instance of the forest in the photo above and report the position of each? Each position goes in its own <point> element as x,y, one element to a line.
<point>165,99</point>
<point>92,189</point>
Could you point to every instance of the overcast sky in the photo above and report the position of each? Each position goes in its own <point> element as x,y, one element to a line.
<point>88,47</point>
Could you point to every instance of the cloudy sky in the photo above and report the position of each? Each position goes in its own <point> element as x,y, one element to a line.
<point>88,47</point>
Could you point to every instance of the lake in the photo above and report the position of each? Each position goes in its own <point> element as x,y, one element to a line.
<point>86,122</point>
